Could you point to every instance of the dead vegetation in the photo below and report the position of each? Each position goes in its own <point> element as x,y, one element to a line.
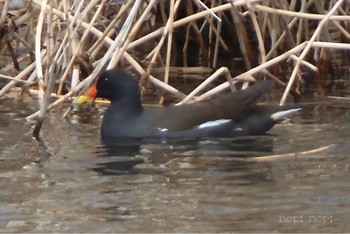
<point>56,48</point>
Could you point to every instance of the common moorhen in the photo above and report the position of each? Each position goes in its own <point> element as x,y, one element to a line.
<point>228,115</point>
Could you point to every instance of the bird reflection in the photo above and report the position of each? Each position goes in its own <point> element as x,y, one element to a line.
<point>120,156</point>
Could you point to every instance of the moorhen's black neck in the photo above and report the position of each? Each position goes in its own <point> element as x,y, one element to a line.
<point>128,104</point>
<point>119,114</point>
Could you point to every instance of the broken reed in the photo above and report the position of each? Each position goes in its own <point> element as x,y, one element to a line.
<point>58,47</point>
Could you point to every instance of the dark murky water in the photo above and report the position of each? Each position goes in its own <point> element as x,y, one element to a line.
<point>70,182</point>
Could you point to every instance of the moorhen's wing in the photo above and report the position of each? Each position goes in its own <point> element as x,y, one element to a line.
<point>225,106</point>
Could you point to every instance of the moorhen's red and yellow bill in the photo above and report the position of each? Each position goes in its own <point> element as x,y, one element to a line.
<point>228,115</point>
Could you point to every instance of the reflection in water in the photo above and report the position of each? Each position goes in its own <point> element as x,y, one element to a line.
<point>71,182</point>
<point>120,156</point>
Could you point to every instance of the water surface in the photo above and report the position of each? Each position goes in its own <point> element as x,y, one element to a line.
<point>70,182</point>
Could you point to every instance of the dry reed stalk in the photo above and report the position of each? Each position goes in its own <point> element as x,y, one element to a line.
<point>257,31</point>
<point>44,96</point>
<point>111,29</point>
<point>170,40</point>
<point>292,5</point>
<point>185,47</point>
<point>186,70</point>
<point>275,78</point>
<point>218,39</point>
<point>339,98</point>
<point>280,39</point>
<point>11,65</point>
<point>70,38</point>
<point>60,14</point>
<point>20,76</point>
<point>63,98</point>
<point>133,31</point>
<point>34,93</point>
<point>215,75</point>
<point>168,29</point>
<point>289,35</point>
<point>132,61</point>
<point>261,45</point>
<point>331,45</point>
<point>112,45</point>
<point>38,62</point>
<point>302,22</point>
<point>151,78</point>
<point>24,18</point>
<point>199,38</point>
<point>15,79</point>
<point>212,13</point>
<point>89,79</point>
<point>254,70</point>
<point>307,48</point>
<point>50,43</point>
<point>217,34</point>
<point>208,20</point>
<point>308,16</point>
<point>12,55</point>
<point>282,57</point>
<point>155,52</point>
<point>185,21</point>
<point>242,36</point>
<point>46,101</point>
<point>290,155</point>
<point>305,63</point>
<point>4,10</point>
<point>342,29</point>
<point>77,50</point>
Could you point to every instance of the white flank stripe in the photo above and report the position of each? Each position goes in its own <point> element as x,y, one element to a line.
<point>213,123</point>
<point>282,114</point>
<point>163,129</point>
<point>238,129</point>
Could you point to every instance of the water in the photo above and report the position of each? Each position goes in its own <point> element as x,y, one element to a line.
<point>69,182</point>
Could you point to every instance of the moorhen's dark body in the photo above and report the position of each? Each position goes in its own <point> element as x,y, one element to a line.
<point>228,115</point>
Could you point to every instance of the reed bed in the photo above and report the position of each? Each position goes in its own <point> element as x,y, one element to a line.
<point>57,48</point>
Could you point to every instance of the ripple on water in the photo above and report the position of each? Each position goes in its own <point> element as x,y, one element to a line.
<point>70,182</point>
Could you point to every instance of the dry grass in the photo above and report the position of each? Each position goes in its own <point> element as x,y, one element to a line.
<point>58,47</point>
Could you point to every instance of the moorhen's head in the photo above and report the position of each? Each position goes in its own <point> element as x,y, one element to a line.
<point>112,85</point>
